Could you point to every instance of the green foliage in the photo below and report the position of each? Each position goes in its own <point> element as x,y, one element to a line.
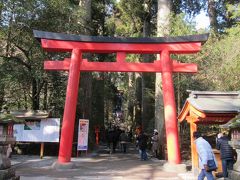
<point>129,14</point>
<point>192,7</point>
<point>222,62</point>
<point>21,57</point>
<point>180,26</point>
<point>234,11</point>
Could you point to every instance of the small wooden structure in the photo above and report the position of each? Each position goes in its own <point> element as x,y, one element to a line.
<point>206,108</point>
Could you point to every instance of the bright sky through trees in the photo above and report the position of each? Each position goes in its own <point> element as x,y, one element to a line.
<point>202,21</point>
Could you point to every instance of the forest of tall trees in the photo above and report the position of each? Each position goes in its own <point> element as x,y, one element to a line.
<point>24,84</point>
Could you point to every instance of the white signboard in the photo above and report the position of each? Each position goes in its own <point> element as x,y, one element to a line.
<point>46,130</point>
<point>83,134</point>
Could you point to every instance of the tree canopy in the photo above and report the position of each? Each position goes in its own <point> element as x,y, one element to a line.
<point>24,84</point>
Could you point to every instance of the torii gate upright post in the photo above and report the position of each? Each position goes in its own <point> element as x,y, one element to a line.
<point>70,107</point>
<point>170,114</point>
<point>90,44</point>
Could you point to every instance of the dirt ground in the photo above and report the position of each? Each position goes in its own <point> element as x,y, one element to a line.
<point>99,165</point>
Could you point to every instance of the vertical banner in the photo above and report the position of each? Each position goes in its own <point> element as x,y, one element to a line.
<point>83,135</point>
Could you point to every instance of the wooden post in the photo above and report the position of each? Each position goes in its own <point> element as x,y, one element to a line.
<point>193,127</point>
<point>170,114</point>
<point>65,149</point>
<point>97,130</point>
<point>42,150</point>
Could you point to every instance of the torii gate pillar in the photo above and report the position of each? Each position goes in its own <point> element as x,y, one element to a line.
<point>65,149</point>
<point>170,115</point>
<point>121,46</point>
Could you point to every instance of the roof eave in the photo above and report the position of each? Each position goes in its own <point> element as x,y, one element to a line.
<point>105,39</point>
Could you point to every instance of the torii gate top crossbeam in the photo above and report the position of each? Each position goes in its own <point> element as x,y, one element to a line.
<point>99,44</point>
<point>121,46</point>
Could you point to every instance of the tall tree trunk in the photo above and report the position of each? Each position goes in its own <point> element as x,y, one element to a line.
<point>86,77</point>
<point>138,105</point>
<point>1,8</point>
<point>45,96</point>
<point>107,103</point>
<point>145,77</point>
<point>130,100</point>
<point>85,5</point>
<point>25,99</point>
<point>212,16</point>
<point>35,96</point>
<point>163,21</point>
<point>2,93</point>
<point>9,33</point>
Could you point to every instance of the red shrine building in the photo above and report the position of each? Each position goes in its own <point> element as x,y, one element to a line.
<point>205,108</point>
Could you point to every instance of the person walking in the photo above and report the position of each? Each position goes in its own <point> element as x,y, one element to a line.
<point>155,142</point>
<point>123,141</point>
<point>205,153</point>
<point>112,139</point>
<point>142,143</point>
<point>137,131</point>
<point>226,153</point>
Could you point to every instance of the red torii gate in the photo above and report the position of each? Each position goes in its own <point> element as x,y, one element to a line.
<point>165,46</point>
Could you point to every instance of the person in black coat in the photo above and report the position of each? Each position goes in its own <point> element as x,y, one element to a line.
<point>112,139</point>
<point>142,143</point>
<point>226,152</point>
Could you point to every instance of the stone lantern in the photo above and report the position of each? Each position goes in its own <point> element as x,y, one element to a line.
<point>6,141</point>
<point>234,126</point>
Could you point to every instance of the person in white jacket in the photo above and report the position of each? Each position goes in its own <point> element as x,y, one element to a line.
<point>205,153</point>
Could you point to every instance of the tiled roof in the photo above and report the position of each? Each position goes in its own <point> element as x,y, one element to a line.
<point>82,38</point>
<point>25,114</point>
<point>215,102</point>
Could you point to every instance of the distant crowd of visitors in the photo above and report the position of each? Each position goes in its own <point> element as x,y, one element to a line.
<point>142,142</point>
<point>117,137</point>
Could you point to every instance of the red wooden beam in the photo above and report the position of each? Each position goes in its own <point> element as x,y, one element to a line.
<point>121,57</point>
<point>67,129</point>
<point>217,119</point>
<point>120,66</point>
<point>68,46</point>
<point>184,67</point>
<point>170,109</point>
